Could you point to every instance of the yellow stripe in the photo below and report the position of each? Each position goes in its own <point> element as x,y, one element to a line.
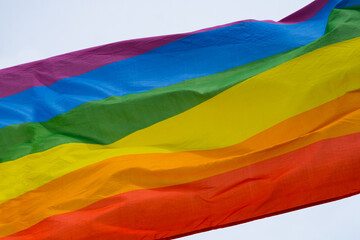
<point>144,171</point>
<point>229,118</point>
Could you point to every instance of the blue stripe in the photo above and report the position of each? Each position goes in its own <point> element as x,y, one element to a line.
<point>348,3</point>
<point>194,56</point>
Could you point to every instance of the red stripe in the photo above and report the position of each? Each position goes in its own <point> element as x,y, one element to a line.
<point>320,172</point>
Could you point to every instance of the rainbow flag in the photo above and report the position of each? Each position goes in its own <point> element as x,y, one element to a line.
<point>167,136</point>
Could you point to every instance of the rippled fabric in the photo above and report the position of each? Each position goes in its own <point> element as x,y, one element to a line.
<point>193,56</point>
<point>74,126</point>
<point>168,136</point>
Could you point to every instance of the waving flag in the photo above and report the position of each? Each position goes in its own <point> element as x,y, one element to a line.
<point>167,136</point>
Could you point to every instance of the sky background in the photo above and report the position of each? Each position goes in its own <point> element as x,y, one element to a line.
<point>37,29</point>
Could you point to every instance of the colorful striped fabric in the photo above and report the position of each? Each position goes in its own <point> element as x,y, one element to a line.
<point>162,137</point>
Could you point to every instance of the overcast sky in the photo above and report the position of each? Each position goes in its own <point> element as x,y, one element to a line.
<point>33,30</point>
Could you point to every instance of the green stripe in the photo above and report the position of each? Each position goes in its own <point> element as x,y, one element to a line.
<point>106,121</point>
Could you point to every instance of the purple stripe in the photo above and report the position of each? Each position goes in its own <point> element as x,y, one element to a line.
<point>48,71</point>
<point>306,12</point>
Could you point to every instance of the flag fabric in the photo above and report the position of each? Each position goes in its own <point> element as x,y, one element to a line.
<point>167,136</point>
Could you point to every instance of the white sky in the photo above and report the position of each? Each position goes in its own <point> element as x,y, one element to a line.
<point>37,29</point>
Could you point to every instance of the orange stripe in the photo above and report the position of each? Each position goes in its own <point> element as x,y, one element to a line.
<point>127,173</point>
<point>323,171</point>
<point>221,121</point>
